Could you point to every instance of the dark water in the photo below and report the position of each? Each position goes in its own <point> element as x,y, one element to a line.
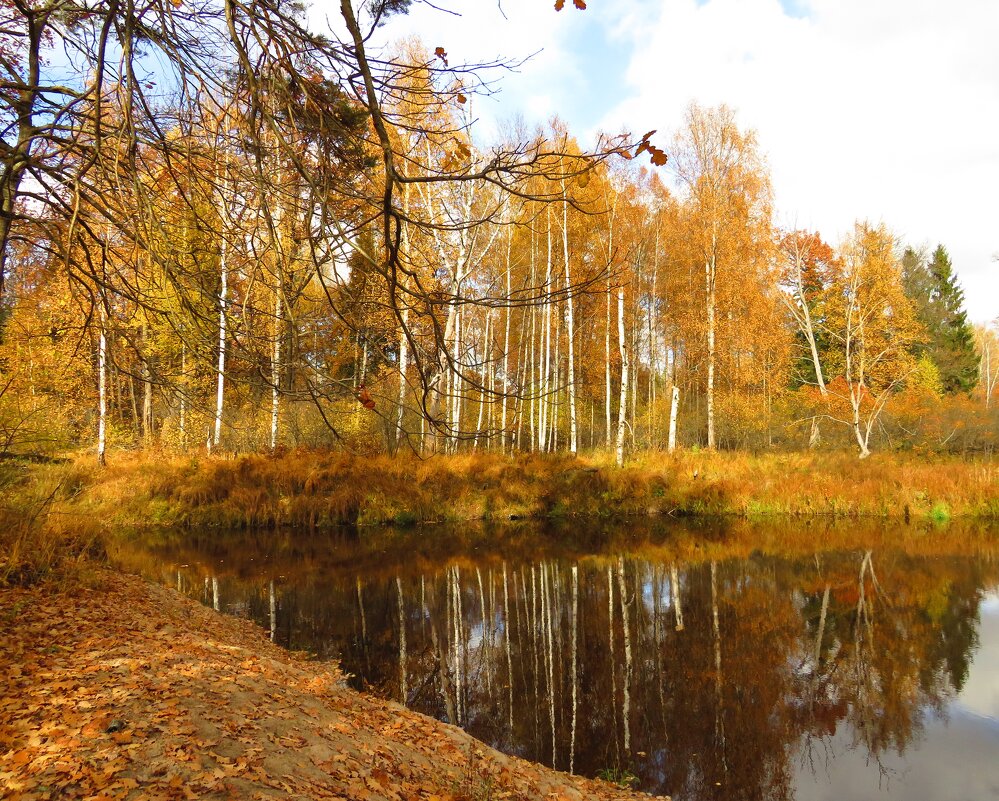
<point>864,672</point>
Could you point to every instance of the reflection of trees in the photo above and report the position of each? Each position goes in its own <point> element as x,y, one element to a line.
<point>709,680</point>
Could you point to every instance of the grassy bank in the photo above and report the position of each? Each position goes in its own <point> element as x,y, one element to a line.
<point>320,489</point>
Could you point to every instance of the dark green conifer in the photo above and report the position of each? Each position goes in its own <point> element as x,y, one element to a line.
<point>939,303</point>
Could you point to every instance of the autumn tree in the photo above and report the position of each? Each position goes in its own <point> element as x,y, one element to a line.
<point>987,338</point>
<point>804,266</point>
<point>873,325</point>
<point>727,192</point>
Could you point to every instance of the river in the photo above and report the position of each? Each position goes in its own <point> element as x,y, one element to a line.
<point>826,663</point>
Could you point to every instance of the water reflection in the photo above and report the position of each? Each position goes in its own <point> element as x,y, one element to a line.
<point>750,678</point>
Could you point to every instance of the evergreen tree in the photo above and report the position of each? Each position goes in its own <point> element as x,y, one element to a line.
<point>939,302</point>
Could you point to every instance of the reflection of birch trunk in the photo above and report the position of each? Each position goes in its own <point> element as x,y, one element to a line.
<point>674,586</point>
<point>484,644</point>
<point>273,612</point>
<point>506,632</point>
<point>423,606</point>
<point>364,624</point>
<point>575,669</point>
<point>659,635</point>
<point>626,695</point>
<point>862,670</point>
<point>456,644</point>
<point>403,690</point>
<point>534,649</point>
<point>822,628</point>
<point>546,634</point>
<point>493,626</point>
<point>442,671</point>
<point>610,648</point>
<point>716,629</point>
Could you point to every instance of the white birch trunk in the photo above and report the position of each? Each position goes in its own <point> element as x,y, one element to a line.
<point>458,380</point>
<point>223,307</point>
<point>623,406</point>
<point>183,395</point>
<point>607,367</point>
<point>506,346</point>
<point>102,391</point>
<point>547,325</point>
<point>570,330</point>
<point>403,365</point>
<point>486,356</point>
<point>709,279</point>
<point>674,408</point>
<point>278,326</point>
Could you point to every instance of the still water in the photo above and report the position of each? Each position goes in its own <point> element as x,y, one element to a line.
<point>677,659</point>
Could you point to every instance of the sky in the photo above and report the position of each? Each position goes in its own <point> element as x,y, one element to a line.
<point>880,110</point>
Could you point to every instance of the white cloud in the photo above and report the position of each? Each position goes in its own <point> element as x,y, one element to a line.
<point>885,110</point>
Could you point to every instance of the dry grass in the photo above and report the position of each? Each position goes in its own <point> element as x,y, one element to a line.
<point>34,546</point>
<point>320,489</point>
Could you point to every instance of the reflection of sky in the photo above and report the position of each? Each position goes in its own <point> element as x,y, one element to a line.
<point>955,760</point>
<point>980,695</point>
<point>952,759</point>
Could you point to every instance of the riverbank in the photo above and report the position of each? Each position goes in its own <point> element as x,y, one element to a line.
<point>320,489</point>
<point>55,516</point>
<point>128,690</point>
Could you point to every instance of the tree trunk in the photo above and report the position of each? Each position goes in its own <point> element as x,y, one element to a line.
<point>102,392</point>
<point>709,278</point>
<point>506,348</point>
<point>403,364</point>
<point>483,391</point>
<point>674,408</point>
<point>147,391</point>
<point>278,330</point>
<point>223,304</point>
<point>547,326</point>
<point>623,406</point>
<point>607,367</point>
<point>570,330</point>
<point>183,395</point>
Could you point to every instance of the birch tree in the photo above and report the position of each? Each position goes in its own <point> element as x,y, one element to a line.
<point>875,328</point>
<point>728,199</point>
